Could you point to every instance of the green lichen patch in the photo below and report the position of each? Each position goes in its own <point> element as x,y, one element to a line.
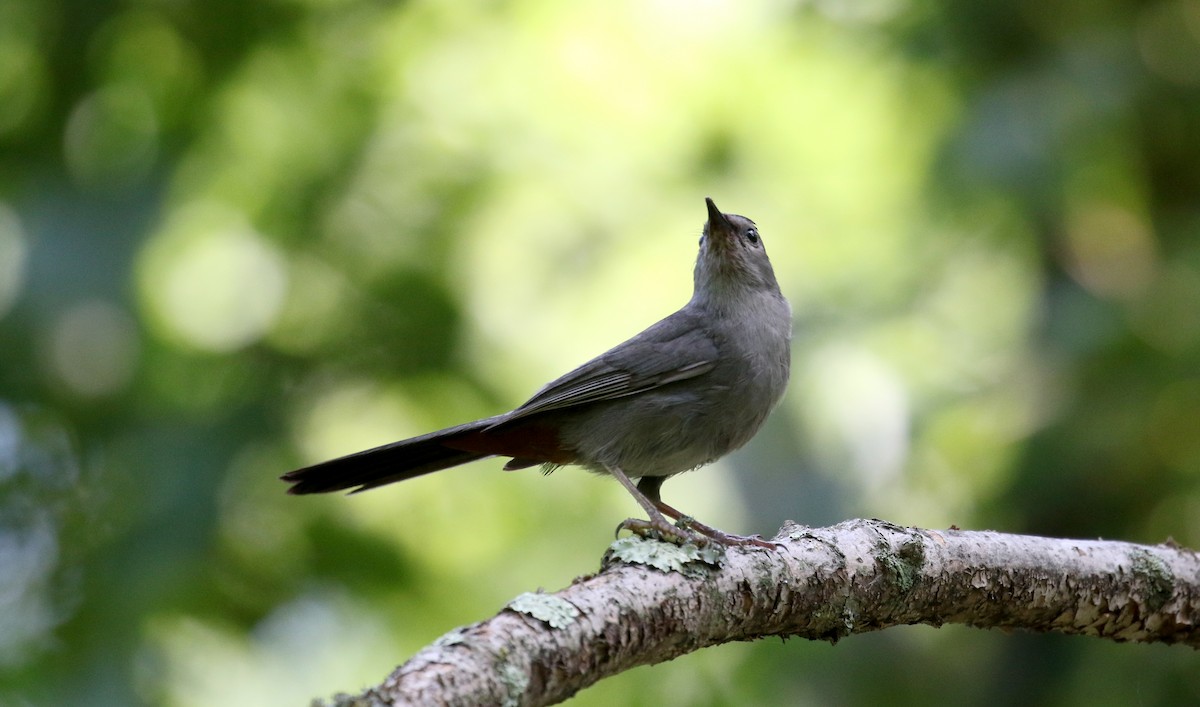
<point>515,680</point>
<point>555,611</point>
<point>1156,573</point>
<point>665,556</point>
<point>904,565</point>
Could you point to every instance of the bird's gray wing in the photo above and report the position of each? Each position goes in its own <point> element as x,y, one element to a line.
<point>675,349</point>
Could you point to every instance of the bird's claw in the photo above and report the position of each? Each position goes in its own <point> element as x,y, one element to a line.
<point>688,529</point>
<point>660,529</point>
<point>726,539</point>
<point>755,540</point>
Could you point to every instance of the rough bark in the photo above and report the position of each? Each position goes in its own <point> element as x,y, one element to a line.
<point>823,583</point>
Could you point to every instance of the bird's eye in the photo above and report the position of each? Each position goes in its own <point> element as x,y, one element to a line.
<point>752,235</point>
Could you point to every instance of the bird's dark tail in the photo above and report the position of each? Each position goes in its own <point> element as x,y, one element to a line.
<point>397,461</point>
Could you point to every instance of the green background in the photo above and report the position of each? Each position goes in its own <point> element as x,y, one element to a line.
<point>240,237</point>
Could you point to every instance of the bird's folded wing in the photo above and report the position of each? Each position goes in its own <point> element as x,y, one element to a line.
<point>670,351</point>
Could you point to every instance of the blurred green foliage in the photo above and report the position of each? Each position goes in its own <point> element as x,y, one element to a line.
<point>236,238</point>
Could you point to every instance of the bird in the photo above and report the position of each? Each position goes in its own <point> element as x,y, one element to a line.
<point>679,395</point>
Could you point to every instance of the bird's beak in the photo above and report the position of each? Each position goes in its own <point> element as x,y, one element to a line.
<point>719,229</point>
<point>715,217</point>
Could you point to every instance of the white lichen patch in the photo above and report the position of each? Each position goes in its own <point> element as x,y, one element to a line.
<point>555,611</point>
<point>664,556</point>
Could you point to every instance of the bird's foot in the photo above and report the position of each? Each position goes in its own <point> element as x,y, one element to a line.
<point>723,538</point>
<point>690,530</point>
<point>659,529</point>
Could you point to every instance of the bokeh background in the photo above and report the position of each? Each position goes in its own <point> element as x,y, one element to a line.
<point>240,237</point>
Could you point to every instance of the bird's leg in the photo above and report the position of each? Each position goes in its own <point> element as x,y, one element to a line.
<point>657,521</point>
<point>649,487</point>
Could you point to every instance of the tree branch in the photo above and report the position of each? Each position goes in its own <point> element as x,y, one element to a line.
<point>824,583</point>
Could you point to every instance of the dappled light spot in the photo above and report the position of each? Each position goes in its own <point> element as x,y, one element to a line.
<point>111,137</point>
<point>140,47</point>
<point>210,282</point>
<point>1167,315</point>
<point>29,555</point>
<point>343,417</point>
<point>38,474</point>
<point>12,258</point>
<point>23,77</point>
<point>286,658</point>
<point>94,348</point>
<point>312,315</point>
<point>1168,38</point>
<point>860,413</point>
<point>1110,250</point>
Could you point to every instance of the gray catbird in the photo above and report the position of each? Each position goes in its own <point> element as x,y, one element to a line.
<point>688,390</point>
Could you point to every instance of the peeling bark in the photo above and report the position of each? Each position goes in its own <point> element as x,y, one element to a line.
<point>823,583</point>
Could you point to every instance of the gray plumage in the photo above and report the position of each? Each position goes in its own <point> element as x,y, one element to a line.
<point>688,390</point>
